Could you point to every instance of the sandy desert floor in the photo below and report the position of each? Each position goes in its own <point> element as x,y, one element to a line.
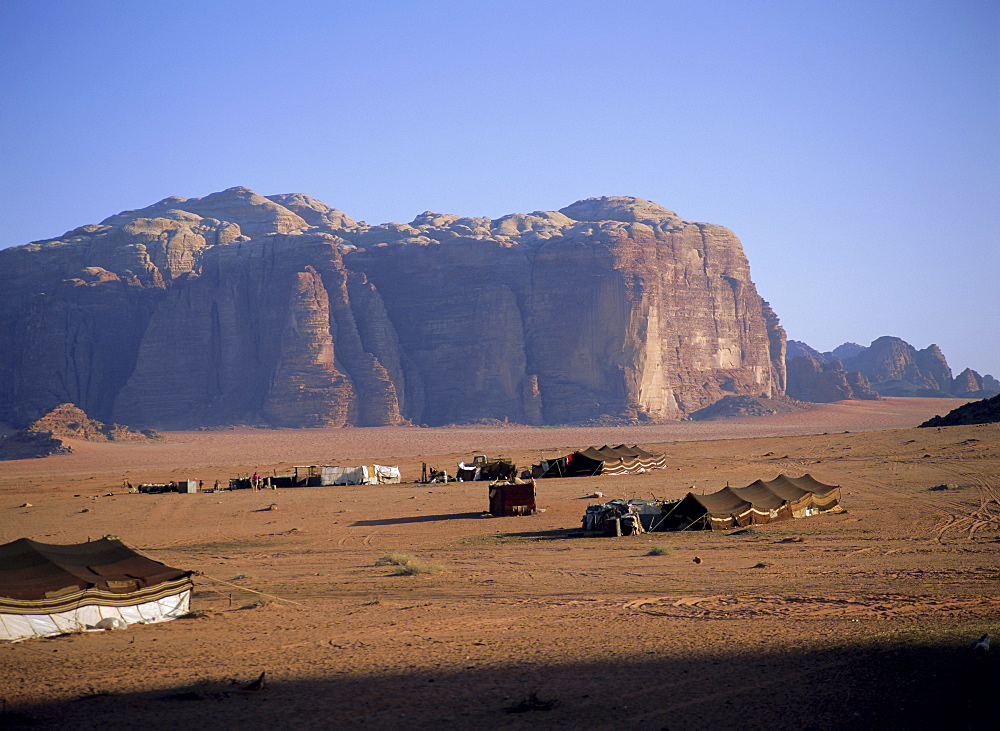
<point>861,619</point>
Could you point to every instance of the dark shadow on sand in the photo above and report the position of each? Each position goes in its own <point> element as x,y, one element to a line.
<point>903,684</point>
<point>556,534</point>
<point>419,519</point>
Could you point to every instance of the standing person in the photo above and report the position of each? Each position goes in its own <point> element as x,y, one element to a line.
<point>255,482</point>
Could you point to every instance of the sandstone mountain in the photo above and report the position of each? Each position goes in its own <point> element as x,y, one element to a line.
<point>47,435</point>
<point>240,308</point>
<point>888,367</point>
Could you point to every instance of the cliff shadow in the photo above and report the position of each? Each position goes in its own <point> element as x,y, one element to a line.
<point>900,685</point>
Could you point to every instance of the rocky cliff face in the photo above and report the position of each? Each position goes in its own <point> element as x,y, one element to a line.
<point>810,379</point>
<point>241,308</point>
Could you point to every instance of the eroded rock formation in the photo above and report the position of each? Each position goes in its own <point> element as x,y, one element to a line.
<point>47,435</point>
<point>240,308</point>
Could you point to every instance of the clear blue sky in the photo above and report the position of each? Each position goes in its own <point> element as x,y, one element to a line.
<point>851,145</point>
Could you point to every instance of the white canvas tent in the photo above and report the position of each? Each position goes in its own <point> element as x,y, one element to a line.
<point>361,475</point>
<point>344,475</point>
<point>384,475</point>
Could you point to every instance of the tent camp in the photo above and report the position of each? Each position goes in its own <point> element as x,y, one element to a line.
<point>782,498</point>
<point>620,460</point>
<point>48,589</point>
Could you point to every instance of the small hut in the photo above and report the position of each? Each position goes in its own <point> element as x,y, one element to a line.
<point>512,498</point>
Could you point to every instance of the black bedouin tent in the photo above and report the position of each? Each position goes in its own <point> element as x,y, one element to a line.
<point>48,589</point>
<point>620,460</point>
<point>782,498</point>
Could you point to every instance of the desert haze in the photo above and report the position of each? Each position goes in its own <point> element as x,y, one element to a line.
<point>859,619</point>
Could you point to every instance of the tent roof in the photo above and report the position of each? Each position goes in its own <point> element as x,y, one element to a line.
<point>30,570</point>
<point>722,502</point>
<point>760,494</point>
<point>622,451</point>
<point>808,483</point>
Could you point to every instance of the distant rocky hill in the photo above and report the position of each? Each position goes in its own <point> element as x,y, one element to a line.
<point>888,367</point>
<point>240,308</point>
<point>740,406</point>
<point>47,435</point>
<point>986,411</point>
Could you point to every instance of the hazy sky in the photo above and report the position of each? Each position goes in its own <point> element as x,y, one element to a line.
<point>852,146</point>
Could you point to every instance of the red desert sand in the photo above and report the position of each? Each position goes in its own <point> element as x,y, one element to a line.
<point>860,619</point>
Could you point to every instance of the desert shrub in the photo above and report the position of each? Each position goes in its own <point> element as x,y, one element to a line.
<point>660,551</point>
<point>416,567</point>
<point>395,559</point>
<point>256,604</point>
<point>195,614</point>
<point>407,565</point>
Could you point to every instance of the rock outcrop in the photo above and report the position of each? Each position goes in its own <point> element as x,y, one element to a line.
<point>24,444</point>
<point>889,367</point>
<point>969,384</point>
<point>69,422</point>
<point>240,308</point>
<point>729,407</point>
<point>986,411</point>
<point>47,435</point>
